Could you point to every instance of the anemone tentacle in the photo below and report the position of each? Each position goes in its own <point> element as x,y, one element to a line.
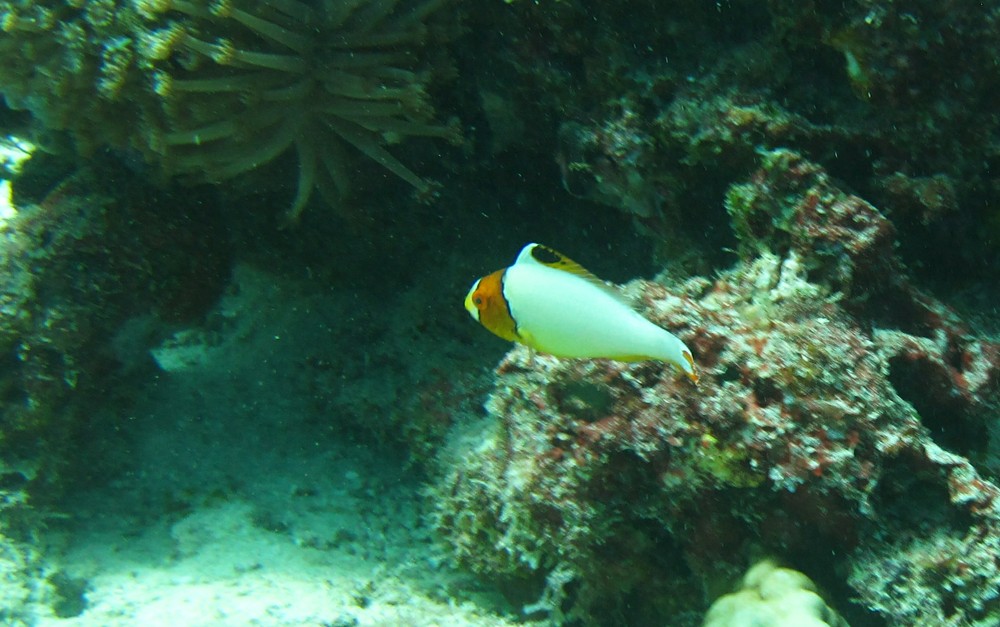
<point>246,80</point>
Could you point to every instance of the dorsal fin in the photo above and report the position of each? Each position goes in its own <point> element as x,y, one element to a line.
<point>551,258</point>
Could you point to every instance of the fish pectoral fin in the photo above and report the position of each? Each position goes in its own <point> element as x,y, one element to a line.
<point>632,358</point>
<point>523,337</point>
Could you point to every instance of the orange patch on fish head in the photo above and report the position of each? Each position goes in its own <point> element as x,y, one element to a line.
<point>487,304</point>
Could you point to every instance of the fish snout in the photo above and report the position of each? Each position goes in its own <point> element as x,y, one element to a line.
<point>470,305</point>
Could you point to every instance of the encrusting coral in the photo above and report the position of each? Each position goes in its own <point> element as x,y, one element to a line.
<point>841,423</point>
<point>87,281</point>
<point>211,90</point>
<point>771,596</point>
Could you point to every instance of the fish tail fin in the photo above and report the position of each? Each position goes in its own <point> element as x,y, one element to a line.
<point>680,357</point>
<point>690,370</point>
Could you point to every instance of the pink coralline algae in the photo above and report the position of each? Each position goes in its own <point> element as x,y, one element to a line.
<point>842,424</point>
<point>790,204</point>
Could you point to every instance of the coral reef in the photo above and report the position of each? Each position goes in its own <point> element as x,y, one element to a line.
<point>846,421</point>
<point>931,563</point>
<point>771,596</point>
<point>89,281</point>
<point>823,432</point>
<point>211,90</point>
<point>655,112</point>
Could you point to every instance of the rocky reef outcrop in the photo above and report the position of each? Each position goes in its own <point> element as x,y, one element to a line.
<point>842,424</point>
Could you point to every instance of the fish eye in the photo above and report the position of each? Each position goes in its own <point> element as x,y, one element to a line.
<point>478,300</point>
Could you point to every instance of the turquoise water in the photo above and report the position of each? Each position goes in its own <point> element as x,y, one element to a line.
<point>238,386</point>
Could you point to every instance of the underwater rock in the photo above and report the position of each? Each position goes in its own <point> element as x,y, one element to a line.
<point>771,596</point>
<point>90,281</point>
<point>790,204</point>
<point>87,282</point>
<point>655,111</point>
<point>808,435</point>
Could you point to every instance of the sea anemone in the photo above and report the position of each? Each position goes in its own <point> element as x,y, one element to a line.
<point>245,82</point>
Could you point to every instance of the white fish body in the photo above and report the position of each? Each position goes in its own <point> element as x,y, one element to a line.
<point>557,307</point>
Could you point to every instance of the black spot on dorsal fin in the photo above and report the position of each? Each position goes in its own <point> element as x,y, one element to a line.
<point>554,259</point>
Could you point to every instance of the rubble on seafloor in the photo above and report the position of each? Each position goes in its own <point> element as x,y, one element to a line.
<point>843,424</point>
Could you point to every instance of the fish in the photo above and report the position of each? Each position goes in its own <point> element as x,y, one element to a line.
<point>552,304</point>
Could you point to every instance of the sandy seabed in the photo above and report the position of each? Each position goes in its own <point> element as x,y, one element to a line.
<point>231,504</point>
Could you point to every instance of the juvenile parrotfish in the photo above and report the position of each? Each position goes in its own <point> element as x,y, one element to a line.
<point>552,304</point>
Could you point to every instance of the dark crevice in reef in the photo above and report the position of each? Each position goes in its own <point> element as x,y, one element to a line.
<point>914,498</point>
<point>927,386</point>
